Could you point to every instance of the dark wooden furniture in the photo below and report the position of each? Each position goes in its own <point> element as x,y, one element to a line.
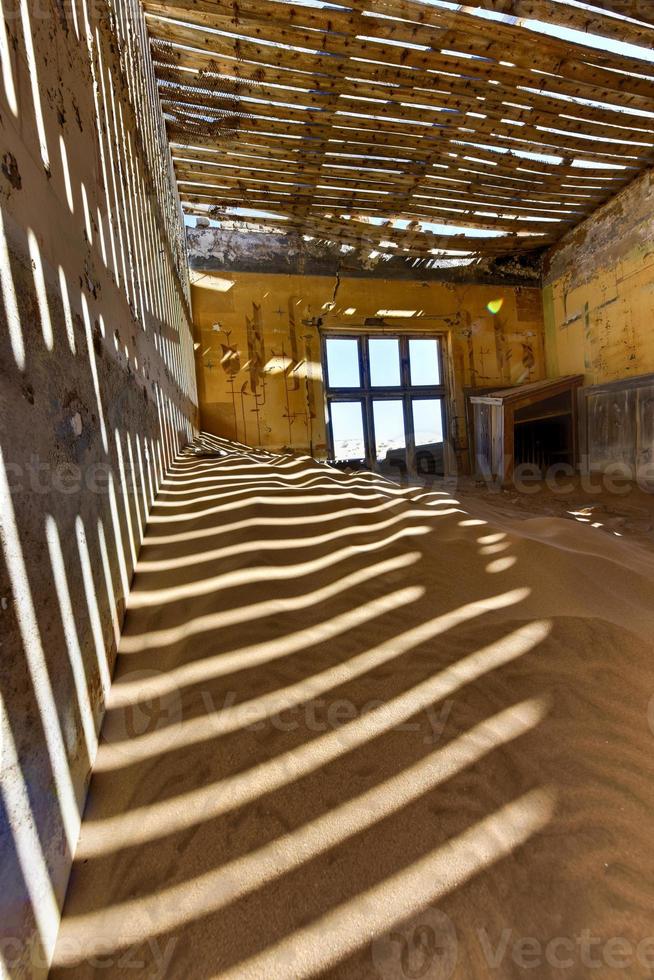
<point>534,423</point>
<point>616,425</point>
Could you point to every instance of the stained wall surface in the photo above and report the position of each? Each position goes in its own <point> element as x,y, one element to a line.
<point>258,346</point>
<point>599,291</point>
<point>97,392</point>
<point>598,296</point>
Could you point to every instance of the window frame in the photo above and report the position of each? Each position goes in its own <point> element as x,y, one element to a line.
<point>366,393</point>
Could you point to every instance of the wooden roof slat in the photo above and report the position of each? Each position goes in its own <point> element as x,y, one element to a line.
<point>515,43</point>
<point>537,57</point>
<point>610,125</point>
<point>356,180</point>
<point>506,122</point>
<point>473,77</point>
<point>459,168</point>
<point>257,76</point>
<point>548,11</point>
<point>338,32</point>
<point>457,142</point>
<point>372,236</point>
<point>348,199</point>
<point>405,109</point>
<point>498,197</point>
<point>575,18</point>
<point>502,163</point>
<point>456,213</point>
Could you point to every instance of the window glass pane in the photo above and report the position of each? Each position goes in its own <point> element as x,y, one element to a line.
<point>423,361</point>
<point>342,362</point>
<point>384,355</point>
<point>347,430</point>
<point>388,415</point>
<point>427,420</point>
<point>428,433</point>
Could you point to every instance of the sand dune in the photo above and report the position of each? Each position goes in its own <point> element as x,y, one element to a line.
<point>356,731</point>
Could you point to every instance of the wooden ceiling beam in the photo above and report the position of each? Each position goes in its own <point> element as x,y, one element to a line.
<point>443,30</point>
<point>450,90</point>
<point>483,63</point>
<point>405,109</point>
<point>480,79</point>
<point>340,32</point>
<point>505,119</point>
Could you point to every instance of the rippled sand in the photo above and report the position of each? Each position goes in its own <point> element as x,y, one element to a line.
<point>357,732</point>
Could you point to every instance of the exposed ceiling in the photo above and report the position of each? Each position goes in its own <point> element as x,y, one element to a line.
<point>380,124</point>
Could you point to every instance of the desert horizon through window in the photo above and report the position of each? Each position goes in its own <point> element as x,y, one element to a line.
<point>385,401</point>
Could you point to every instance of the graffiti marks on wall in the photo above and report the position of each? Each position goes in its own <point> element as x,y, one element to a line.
<point>261,361</point>
<point>268,390</point>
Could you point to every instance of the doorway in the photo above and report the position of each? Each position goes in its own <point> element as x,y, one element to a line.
<point>385,402</point>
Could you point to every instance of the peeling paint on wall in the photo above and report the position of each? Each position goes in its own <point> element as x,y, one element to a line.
<point>599,291</point>
<point>265,251</point>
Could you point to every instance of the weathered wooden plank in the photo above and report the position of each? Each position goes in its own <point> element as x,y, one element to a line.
<point>508,162</point>
<point>355,180</point>
<point>397,107</point>
<point>435,28</point>
<point>585,20</point>
<point>360,234</point>
<point>495,39</point>
<point>339,32</point>
<point>484,64</point>
<point>303,194</point>
<point>241,165</point>
<point>499,126</point>
<point>460,91</point>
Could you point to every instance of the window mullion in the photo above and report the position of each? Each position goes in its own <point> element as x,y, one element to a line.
<point>371,440</point>
<point>405,379</point>
<point>364,362</point>
<point>409,434</point>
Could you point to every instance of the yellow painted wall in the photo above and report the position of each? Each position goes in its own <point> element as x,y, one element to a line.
<point>258,346</point>
<point>598,292</point>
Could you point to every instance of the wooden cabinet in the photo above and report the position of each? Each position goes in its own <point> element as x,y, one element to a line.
<point>534,423</point>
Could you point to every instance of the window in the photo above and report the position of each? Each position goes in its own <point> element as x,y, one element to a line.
<point>384,355</point>
<point>424,360</point>
<point>343,362</point>
<point>347,430</point>
<point>385,398</point>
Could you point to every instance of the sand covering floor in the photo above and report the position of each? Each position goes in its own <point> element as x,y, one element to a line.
<point>357,732</point>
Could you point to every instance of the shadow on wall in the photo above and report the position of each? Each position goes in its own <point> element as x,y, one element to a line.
<point>353,732</point>
<point>98,395</point>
